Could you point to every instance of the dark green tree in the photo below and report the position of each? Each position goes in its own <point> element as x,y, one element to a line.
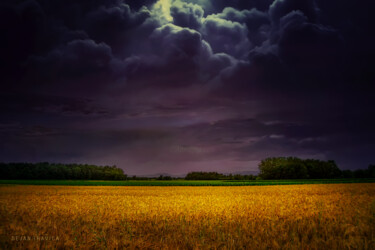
<point>295,168</point>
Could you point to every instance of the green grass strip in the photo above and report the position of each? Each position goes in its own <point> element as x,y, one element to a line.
<point>180,182</point>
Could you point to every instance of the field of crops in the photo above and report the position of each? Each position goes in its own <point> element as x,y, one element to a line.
<point>331,216</point>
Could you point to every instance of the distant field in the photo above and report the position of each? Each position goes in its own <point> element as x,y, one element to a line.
<point>181,182</point>
<point>340,216</point>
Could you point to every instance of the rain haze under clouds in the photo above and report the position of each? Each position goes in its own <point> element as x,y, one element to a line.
<point>173,86</point>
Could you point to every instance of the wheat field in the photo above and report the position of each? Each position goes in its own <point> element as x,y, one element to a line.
<point>331,216</point>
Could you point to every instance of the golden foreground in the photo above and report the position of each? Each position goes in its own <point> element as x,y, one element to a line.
<point>333,216</point>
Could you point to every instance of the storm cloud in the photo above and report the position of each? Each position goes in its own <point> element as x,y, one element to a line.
<point>180,85</point>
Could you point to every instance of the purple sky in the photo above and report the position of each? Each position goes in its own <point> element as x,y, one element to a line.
<point>173,86</point>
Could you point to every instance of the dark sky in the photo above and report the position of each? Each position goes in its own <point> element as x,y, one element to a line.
<point>173,86</point>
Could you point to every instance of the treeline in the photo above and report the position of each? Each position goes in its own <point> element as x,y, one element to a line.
<point>217,176</point>
<point>276,168</point>
<point>360,173</point>
<point>53,171</point>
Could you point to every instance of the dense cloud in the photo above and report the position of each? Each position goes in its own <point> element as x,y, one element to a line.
<point>113,25</point>
<point>281,8</point>
<point>212,7</point>
<point>187,15</point>
<point>243,79</point>
<point>226,36</point>
<point>257,22</point>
